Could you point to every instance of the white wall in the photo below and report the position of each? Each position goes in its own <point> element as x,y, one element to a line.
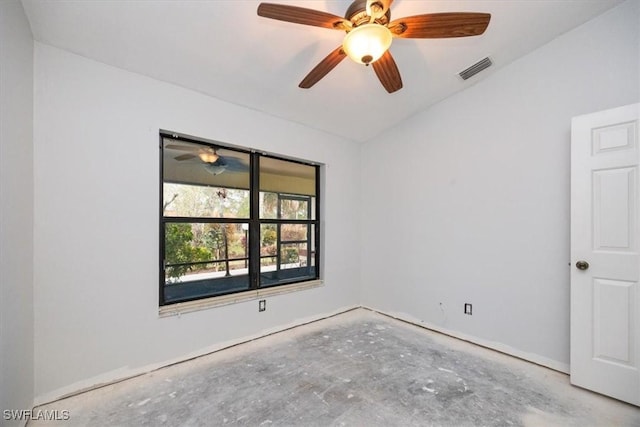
<point>96,222</point>
<point>16,210</point>
<point>469,200</point>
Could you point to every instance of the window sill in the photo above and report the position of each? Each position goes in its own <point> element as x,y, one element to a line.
<point>180,308</point>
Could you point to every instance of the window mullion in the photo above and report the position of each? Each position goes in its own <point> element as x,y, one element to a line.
<point>254,223</point>
<point>161,257</point>
<point>279,232</point>
<point>317,242</point>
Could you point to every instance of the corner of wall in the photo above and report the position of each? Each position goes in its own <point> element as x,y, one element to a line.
<point>16,213</point>
<point>479,186</point>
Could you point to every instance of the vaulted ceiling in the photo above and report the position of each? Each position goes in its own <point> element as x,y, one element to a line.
<point>225,50</point>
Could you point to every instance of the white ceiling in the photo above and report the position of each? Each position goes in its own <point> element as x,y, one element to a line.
<point>223,49</point>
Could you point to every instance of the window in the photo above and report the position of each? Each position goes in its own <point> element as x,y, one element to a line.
<point>233,220</point>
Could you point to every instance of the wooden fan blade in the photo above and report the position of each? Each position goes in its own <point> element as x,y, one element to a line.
<point>301,15</point>
<point>440,25</point>
<point>184,157</point>
<point>377,8</point>
<point>387,71</point>
<point>323,68</point>
<point>180,147</point>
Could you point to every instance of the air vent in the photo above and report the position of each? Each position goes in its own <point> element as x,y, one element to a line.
<point>483,64</point>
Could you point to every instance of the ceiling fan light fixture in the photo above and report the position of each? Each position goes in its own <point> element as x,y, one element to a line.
<point>208,157</point>
<point>367,43</point>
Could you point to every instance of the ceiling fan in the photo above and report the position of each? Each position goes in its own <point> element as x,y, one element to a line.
<point>370,32</point>
<point>213,162</point>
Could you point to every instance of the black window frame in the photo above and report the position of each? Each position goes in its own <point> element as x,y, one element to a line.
<point>254,221</point>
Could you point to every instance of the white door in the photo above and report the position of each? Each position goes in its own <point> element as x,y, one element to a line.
<point>605,239</point>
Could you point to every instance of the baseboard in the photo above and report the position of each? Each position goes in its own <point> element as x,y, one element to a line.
<point>123,374</point>
<point>492,345</point>
<point>126,373</point>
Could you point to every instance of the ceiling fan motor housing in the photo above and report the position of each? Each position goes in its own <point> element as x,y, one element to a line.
<point>357,13</point>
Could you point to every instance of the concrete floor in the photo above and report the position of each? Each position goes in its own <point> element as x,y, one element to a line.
<point>356,369</point>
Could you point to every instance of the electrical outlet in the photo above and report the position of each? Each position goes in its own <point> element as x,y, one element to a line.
<point>467,309</point>
<point>262,305</point>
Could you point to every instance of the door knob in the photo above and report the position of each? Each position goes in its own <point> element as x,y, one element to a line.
<point>582,265</point>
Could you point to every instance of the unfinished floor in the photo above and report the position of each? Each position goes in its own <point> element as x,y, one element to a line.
<point>356,369</point>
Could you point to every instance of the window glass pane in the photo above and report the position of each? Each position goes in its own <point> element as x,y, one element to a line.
<point>268,240</point>
<point>268,205</point>
<point>293,255</point>
<point>204,165</point>
<point>286,206</point>
<point>199,201</point>
<point>284,261</point>
<point>283,179</point>
<point>294,232</point>
<point>292,207</point>
<point>203,259</point>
